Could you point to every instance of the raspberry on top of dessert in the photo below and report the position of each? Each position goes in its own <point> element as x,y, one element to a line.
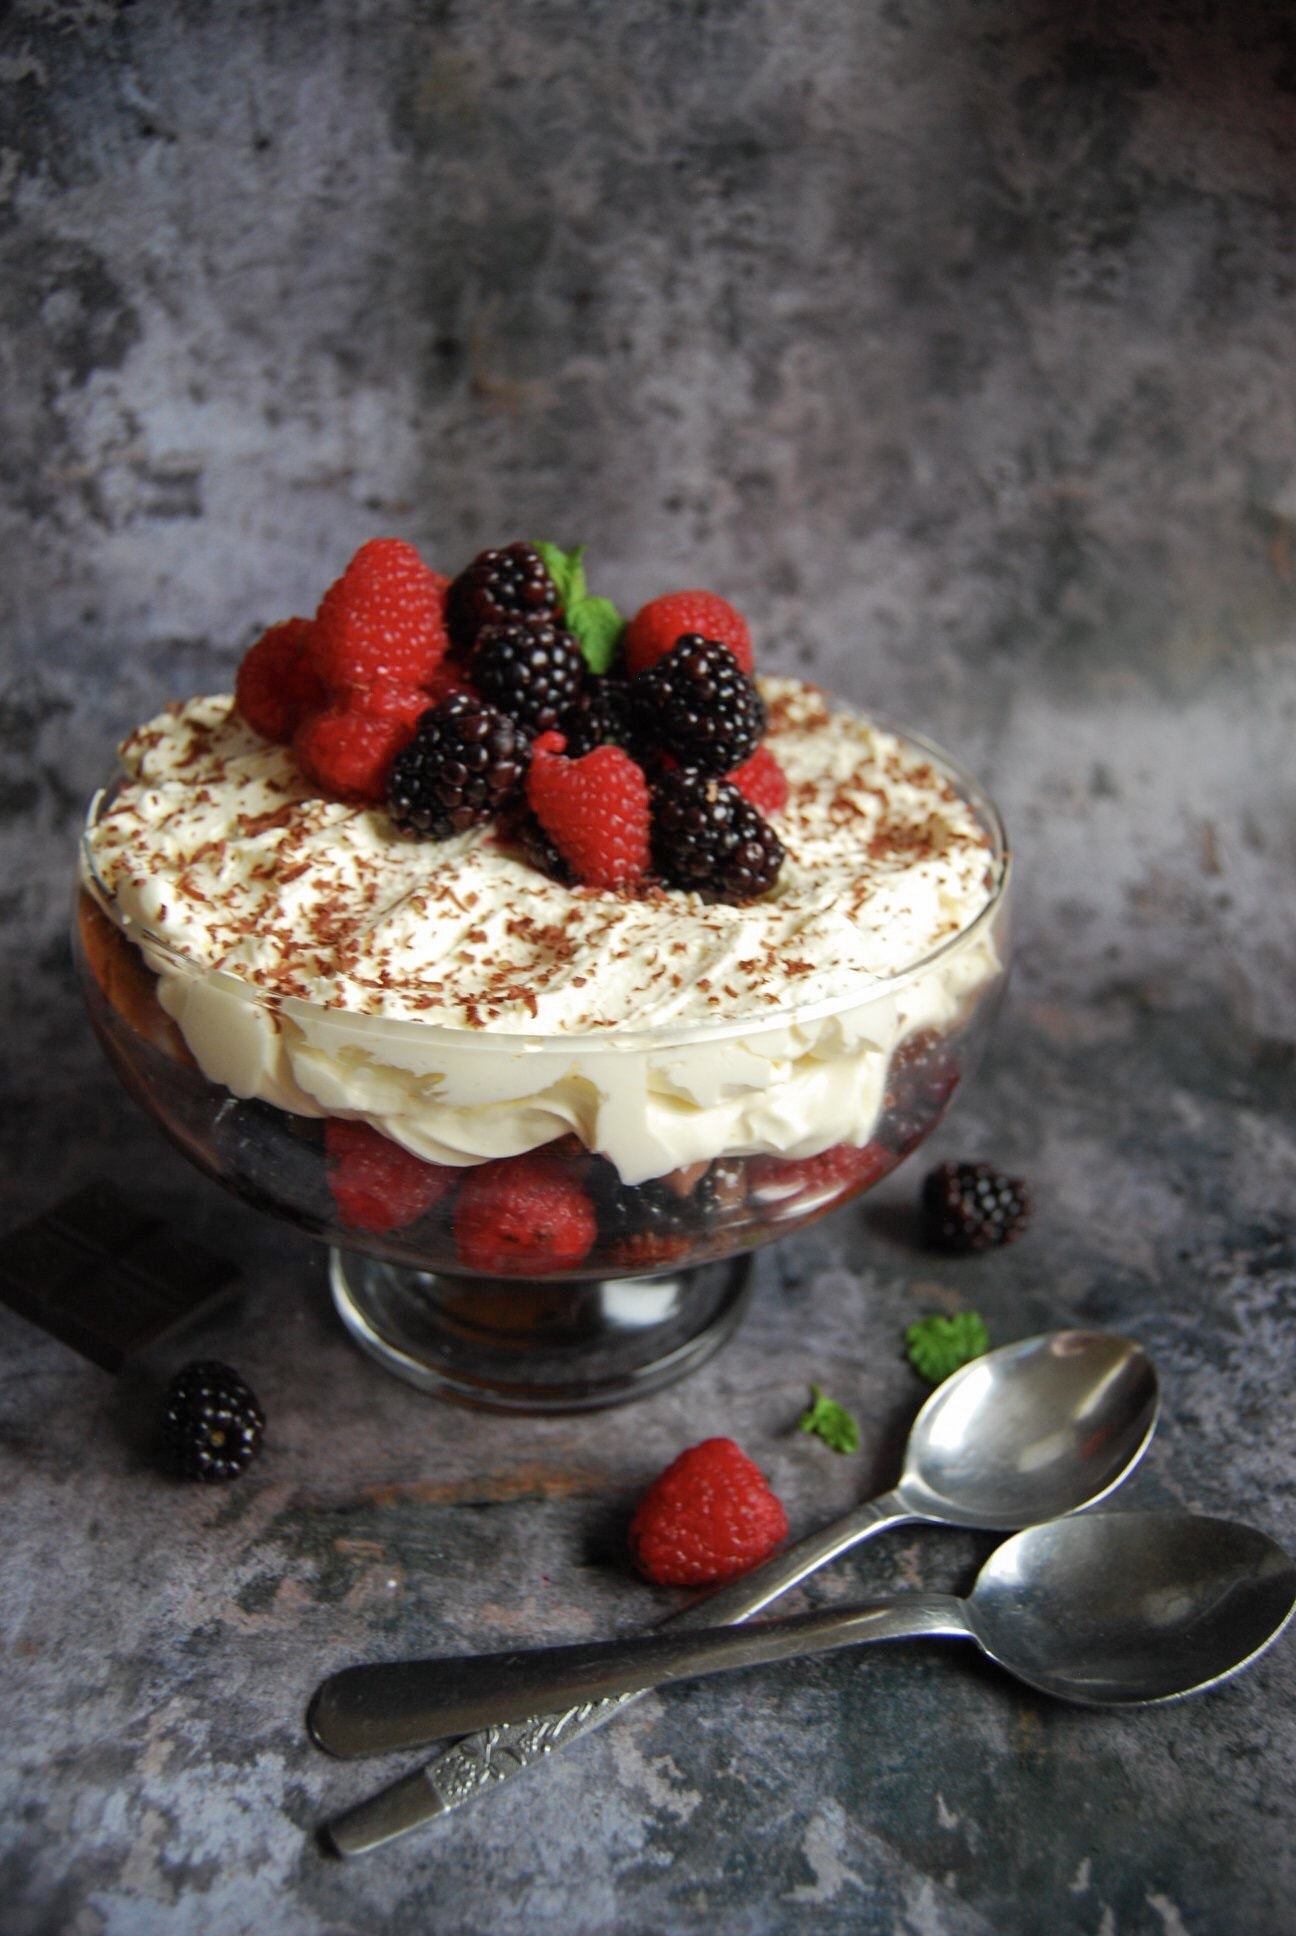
<point>692,911</point>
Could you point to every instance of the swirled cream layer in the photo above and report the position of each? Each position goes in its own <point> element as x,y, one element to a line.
<point>470,1007</point>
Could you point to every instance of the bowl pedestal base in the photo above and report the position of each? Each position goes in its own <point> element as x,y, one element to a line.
<point>527,1346</point>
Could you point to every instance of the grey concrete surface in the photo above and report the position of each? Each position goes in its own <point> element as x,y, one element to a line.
<point>955,342</point>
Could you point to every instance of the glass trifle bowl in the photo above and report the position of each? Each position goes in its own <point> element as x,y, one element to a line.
<point>540,1127</point>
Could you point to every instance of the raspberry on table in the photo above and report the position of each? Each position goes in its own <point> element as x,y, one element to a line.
<point>523,1213</point>
<point>465,761</point>
<point>378,1185</point>
<point>973,1206</point>
<point>659,625</point>
<point>532,669</point>
<point>348,753</point>
<point>384,618</point>
<point>708,1517</point>
<point>762,782</point>
<point>706,837</point>
<point>594,809</point>
<point>276,684</point>
<point>212,1424</point>
<point>506,582</point>
<point>698,705</point>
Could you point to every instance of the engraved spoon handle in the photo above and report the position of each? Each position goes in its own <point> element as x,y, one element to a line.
<point>495,1754</point>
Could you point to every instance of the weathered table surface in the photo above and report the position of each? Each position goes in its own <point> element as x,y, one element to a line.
<point>163,1639</point>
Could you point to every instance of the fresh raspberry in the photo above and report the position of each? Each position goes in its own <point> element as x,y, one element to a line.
<point>815,1181</point>
<point>595,810</point>
<point>449,677</point>
<point>709,1516</point>
<point>378,1185</point>
<point>384,618</point>
<point>762,781</point>
<point>348,754</point>
<point>523,1213</point>
<point>387,700</point>
<point>276,684</point>
<point>659,625</point>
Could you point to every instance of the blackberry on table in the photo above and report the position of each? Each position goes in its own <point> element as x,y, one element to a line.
<point>212,1424</point>
<point>698,705</point>
<point>706,837</point>
<point>973,1206</point>
<point>507,582</point>
<point>466,759</point>
<point>532,669</point>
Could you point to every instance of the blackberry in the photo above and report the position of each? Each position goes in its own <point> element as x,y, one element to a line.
<point>519,828</point>
<point>212,1423</point>
<point>642,1226</point>
<point>698,705</point>
<point>602,716</point>
<point>972,1206</point>
<point>532,669</point>
<point>506,583</point>
<point>721,1196</point>
<point>705,836</point>
<point>463,763</point>
<point>921,1081</point>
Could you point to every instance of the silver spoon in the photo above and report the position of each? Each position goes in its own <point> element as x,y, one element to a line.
<point>1111,1610</point>
<point>1024,1434</point>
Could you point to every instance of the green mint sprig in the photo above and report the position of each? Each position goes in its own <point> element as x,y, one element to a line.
<point>937,1346</point>
<point>831,1422</point>
<point>593,622</point>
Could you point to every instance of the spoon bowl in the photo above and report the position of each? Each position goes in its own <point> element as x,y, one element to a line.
<point>1031,1432</point>
<point>1119,1609</point>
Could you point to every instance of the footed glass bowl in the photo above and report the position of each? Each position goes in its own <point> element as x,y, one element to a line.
<point>548,1280</point>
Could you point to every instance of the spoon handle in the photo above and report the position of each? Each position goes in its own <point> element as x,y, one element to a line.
<point>406,1704</point>
<point>495,1754</point>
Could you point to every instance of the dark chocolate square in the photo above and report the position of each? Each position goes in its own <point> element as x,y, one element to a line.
<point>107,1276</point>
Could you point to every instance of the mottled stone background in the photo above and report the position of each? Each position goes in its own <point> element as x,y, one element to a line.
<point>954,339</point>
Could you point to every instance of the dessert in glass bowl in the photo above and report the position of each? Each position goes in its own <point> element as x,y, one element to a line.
<point>543,965</point>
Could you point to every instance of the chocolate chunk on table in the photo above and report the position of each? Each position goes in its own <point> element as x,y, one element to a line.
<point>107,1276</point>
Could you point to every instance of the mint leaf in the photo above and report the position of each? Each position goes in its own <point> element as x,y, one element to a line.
<point>938,1346</point>
<point>596,625</point>
<point>567,572</point>
<point>831,1422</point>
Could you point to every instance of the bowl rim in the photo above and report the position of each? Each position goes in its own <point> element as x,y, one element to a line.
<point>867,988</point>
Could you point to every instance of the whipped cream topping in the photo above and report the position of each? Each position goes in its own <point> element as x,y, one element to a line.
<point>462,1002</point>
